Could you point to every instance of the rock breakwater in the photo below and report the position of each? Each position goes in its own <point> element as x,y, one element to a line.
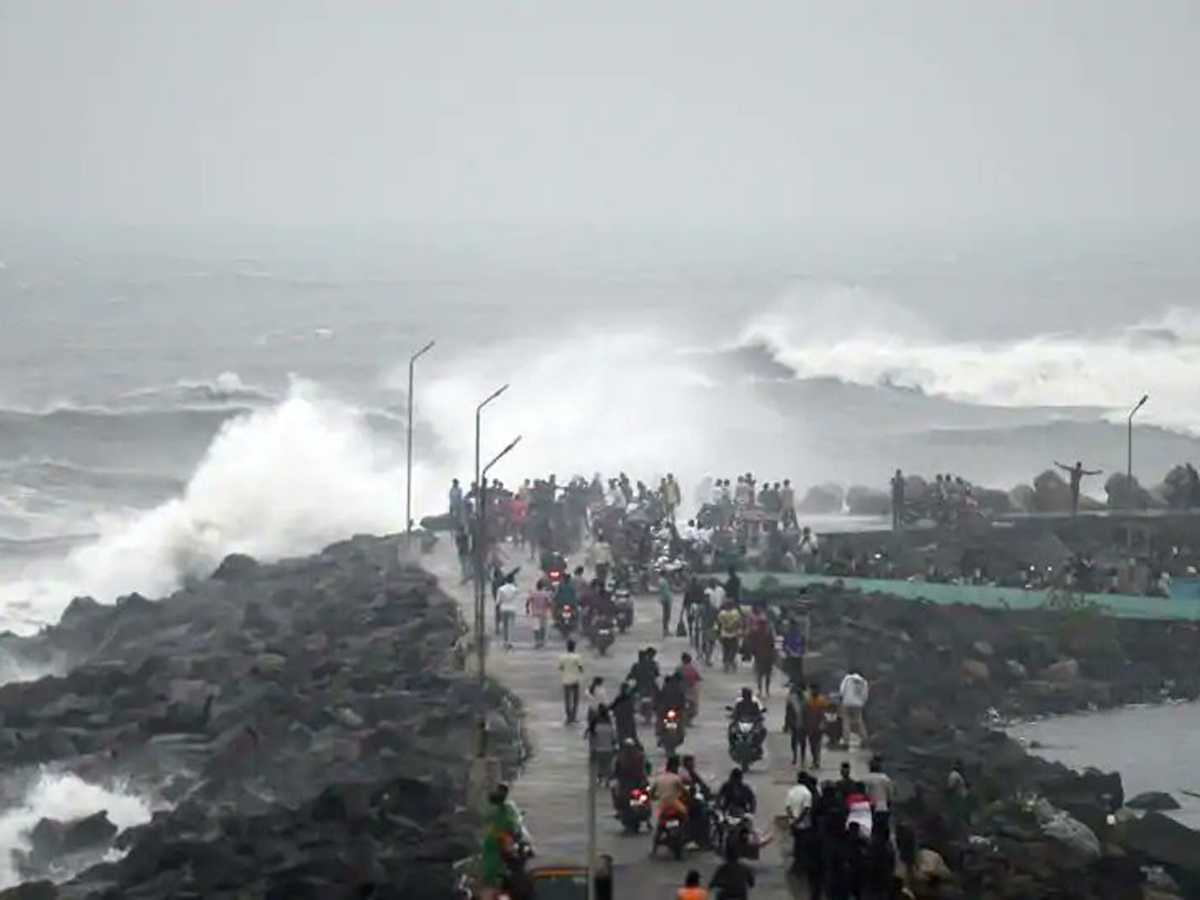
<point>302,729</point>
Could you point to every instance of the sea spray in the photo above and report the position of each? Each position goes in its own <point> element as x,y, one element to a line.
<point>64,797</point>
<point>282,481</point>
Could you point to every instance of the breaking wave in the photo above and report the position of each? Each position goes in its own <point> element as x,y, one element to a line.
<point>63,797</point>
<point>882,346</point>
<point>286,480</point>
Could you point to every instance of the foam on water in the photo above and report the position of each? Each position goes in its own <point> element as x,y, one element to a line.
<point>63,797</point>
<point>286,480</point>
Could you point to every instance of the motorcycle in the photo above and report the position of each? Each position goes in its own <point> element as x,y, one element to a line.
<point>602,634</point>
<point>670,731</point>
<point>565,619</point>
<point>745,742</point>
<point>624,604</point>
<point>736,834</point>
<point>670,833</point>
<point>701,823</point>
<point>634,809</point>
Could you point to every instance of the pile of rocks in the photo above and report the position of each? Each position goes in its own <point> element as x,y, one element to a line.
<point>303,726</point>
<point>944,677</point>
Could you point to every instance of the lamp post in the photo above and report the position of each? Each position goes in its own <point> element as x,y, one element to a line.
<point>1129,450</point>
<point>481,618</point>
<point>412,363</point>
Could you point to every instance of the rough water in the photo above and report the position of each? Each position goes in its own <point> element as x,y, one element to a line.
<point>1154,749</point>
<point>167,399</point>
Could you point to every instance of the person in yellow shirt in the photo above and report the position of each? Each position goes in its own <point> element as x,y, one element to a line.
<point>729,630</point>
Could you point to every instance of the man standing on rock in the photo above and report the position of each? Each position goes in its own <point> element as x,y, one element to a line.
<point>897,501</point>
<point>570,668</point>
<point>854,691</point>
<point>1076,474</point>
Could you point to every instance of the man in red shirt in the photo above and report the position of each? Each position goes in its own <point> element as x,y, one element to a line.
<point>538,605</point>
<point>691,683</point>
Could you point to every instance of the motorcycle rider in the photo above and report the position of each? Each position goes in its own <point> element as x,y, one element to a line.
<point>748,709</point>
<point>668,789</point>
<point>673,695</point>
<point>735,795</point>
<point>700,796</point>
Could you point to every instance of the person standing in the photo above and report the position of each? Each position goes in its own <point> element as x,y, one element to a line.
<point>462,545</point>
<point>881,792</point>
<point>506,602</point>
<point>570,669</point>
<point>854,692</point>
<point>1077,473</point>
<point>787,504</point>
<point>760,642</point>
<point>897,501</point>
<point>666,601</point>
<point>813,707</point>
<point>729,629</point>
<point>538,605</point>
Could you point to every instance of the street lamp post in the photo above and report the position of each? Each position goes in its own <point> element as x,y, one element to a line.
<point>481,617</point>
<point>1129,450</point>
<point>412,363</point>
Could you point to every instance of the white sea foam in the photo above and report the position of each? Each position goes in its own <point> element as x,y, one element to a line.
<point>282,481</point>
<point>63,797</point>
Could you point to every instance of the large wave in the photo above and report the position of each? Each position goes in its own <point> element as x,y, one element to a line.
<point>285,480</point>
<point>877,344</point>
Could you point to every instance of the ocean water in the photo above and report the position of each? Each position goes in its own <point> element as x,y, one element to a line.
<point>1155,748</point>
<point>169,398</point>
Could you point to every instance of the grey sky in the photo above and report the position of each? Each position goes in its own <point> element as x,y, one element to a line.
<point>569,110</point>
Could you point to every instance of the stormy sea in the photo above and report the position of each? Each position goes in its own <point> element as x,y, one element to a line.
<point>168,398</point>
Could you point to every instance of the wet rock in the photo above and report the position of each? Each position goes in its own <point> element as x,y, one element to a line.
<point>236,567</point>
<point>983,649</point>
<point>1162,840</point>
<point>1153,801</point>
<point>976,671</point>
<point>1015,670</point>
<point>51,838</point>
<point>1063,671</point>
<point>269,664</point>
<point>31,890</point>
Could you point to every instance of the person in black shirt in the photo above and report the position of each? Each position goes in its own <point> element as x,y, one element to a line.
<point>732,880</point>
<point>735,794</point>
<point>733,586</point>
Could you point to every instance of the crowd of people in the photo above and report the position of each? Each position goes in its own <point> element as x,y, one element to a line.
<point>843,840</point>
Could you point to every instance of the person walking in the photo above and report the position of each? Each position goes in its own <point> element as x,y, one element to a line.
<point>538,605</point>
<point>760,642</point>
<point>570,669</point>
<point>665,600</point>
<point>729,628</point>
<point>732,880</point>
<point>813,707</point>
<point>506,602</point>
<point>854,692</point>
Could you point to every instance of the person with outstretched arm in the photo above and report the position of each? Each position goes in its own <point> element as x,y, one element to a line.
<point>1077,473</point>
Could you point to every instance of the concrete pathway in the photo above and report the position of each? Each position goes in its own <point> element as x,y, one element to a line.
<point>552,790</point>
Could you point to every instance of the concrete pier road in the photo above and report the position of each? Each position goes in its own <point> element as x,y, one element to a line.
<point>552,789</point>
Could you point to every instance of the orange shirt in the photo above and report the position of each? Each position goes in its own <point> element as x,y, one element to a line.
<point>691,893</point>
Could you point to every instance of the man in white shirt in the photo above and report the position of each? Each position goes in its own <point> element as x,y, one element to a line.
<point>715,595</point>
<point>880,791</point>
<point>799,802</point>
<point>506,602</point>
<point>570,668</point>
<point>854,691</point>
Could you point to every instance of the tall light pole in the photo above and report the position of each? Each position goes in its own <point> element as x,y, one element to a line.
<point>1129,451</point>
<point>480,589</point>
<point>412,364</point>
<point>481,618</point>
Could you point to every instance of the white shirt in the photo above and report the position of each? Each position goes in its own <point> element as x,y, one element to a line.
<point>570,667</point>
<point>506,598</point>
<point>716,596</point>
<point>799,801</point>
<point>854,690</point>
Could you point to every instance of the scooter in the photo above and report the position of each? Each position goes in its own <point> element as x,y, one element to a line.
<point>634,810</point>
<point>565,619</point>
<point>670,834</point>
<point>670,731</point>
<point>602,634</point>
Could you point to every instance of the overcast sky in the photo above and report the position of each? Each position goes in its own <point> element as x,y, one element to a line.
<point>613,111</point>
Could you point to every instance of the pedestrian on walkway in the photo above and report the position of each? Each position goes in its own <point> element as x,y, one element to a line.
<point>506,602</point>
<point>729,627</point>
<point>665,600</point>
<point>538,606</point>
<point>813,707</point>
<point>732,880</point>
<point>854,692</point>
<point>570,668</point>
